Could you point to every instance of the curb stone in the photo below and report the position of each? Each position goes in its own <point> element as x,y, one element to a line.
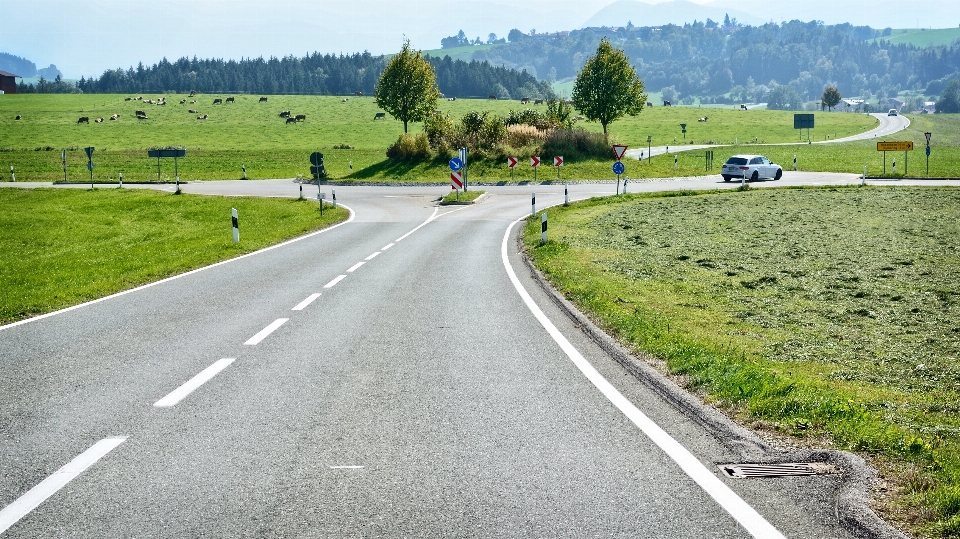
<point>857,477</point>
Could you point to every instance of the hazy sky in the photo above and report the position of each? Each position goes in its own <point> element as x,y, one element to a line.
<point>86,37</point>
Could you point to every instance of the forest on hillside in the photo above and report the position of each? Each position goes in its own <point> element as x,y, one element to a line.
<point>735,63</point>
<point>313,74</point>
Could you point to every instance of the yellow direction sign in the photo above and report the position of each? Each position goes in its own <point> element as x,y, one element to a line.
<point>905,146</point>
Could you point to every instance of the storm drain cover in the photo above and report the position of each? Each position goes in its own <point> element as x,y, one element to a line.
<point>790,469</point>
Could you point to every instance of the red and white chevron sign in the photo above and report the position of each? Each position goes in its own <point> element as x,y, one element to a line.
<point>558,160</point>
<point>534,162</point>
<point>511,162</point>
<point>456,180</point>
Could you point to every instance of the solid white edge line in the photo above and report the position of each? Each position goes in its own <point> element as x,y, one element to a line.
<point>303,304</point>
<point>191,272</point>
<point>335,280</point>
<point>22,506</point>
<point>355,267</point>
<point>740,510</point>
<point>371,257</point>
<point>418,227</point>
<point>190,385</point>
<point>266,331</point>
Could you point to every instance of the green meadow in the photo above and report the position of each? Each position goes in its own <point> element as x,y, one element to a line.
<point>250,134</point>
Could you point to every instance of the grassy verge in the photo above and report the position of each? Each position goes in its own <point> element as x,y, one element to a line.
<point>61,247</point>
<point>464,197</point>
<point>825,314</point>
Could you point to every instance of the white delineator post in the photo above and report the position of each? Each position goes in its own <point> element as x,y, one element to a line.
<point>333,193</point>
<point>543,228</point>
<point>236,226</point>
<point>533,204</point>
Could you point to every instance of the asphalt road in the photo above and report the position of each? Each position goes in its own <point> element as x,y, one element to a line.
<point>402,374</point>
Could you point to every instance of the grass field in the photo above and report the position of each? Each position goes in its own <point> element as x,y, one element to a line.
<point>251,134</point>
<point>919,37</point>
<point>826,314</point>
<point>61,247</point>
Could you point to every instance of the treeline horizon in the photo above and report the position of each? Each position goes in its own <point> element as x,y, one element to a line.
<point>313,74</point>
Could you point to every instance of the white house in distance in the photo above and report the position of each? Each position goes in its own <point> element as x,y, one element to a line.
<point>852,105</point>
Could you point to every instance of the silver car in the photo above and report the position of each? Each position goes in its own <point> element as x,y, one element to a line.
<point>751,167</point>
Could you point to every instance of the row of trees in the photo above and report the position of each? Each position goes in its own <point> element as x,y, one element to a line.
<point>311,74</point>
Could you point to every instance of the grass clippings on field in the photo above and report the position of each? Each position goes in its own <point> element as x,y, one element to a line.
<point>820,312</point>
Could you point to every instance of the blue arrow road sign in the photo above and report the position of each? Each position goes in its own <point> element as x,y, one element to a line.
<point>618,168</point>
<point>456,164</point>
<point>928,151</point>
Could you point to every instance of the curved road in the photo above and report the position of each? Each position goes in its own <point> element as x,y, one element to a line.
<point>888,126</point>
<point>402,374</point>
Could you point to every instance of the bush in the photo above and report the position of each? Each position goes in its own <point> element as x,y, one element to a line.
<point>439,130</point>
<point>519,136</point>
<point>408,148</point>
<point>576,144</point>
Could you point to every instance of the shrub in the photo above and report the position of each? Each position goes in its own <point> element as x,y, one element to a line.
<point>439,130</point>
<point>522,135</point>
<point>576,144</point>
<point>408,148</point>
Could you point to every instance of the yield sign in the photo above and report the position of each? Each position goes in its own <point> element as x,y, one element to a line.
<point>511,162</point>
<point>456,180</point>
<point>619,150</point>
<point>558,160</point>
<point>534,162</point>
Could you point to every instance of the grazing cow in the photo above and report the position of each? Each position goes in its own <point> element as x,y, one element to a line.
<point>358,93</point>
<point>666,104</point>
<point>115,117</point>
<point>98,120</point>
<point>183,101</point>
<point>491,96</point>
<point>149,101</point>
<point>285,114</point>
<point>138,98</point>
<point>202,117</point>
<point>127,98</point>
<point>537,101</point>
<point>230,100</point>
<point>262,100</point>
<point>380,116</point>
<point>162,103</point>
<point>452,98</point>
<point>193,111</point>
<point>649,104</point>
<point>193,93</point>
<point>743,107</point>
<point>18,117</point>
<point>140,113</point>
<point>524,100</point>
<point>83,120</point>
<point>345,99</point>
<point>705,118</point>
<point>301,117</point>
<point>193,102</point>
<point>291,120</point>
<point>218,101</point>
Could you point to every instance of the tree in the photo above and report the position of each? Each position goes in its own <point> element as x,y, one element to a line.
<point>408,87</point>
<point>950,97</point>
<point>607,88</point>
<point>831,97</point>
<point>783,97</point>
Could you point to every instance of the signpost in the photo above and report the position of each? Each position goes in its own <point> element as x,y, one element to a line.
<point>618,169</point>
<point>535,163</point>
<point>927,134</point>
<point>649,155</point>
<point>456,180</point>
<point>803,121</point>
<point>89,150</point>
<point>175,153</point>
<point>511,164</point>
<point>463,159</point>
<point>683,129</point>
<point>895,146</point>
<point>558,162</point>
<point>317,168</point>
<point>619,150</point>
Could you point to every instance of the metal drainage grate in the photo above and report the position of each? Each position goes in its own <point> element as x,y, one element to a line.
<point>744,471</point>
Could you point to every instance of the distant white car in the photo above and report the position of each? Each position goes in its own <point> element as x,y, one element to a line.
<point>751,167</point>
<point>893,112</point>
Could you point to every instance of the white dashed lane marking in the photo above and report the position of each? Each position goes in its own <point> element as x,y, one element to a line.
<point>266,331</point>
<point>334,282</point>
<point>303,304</point>
<point>205,375</point>
<point>355,267</point>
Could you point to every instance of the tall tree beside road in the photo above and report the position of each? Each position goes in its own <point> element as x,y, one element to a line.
<point>831,97</point>
<point>607,88</point>
<point>950,97</point>
<point>408,87</point>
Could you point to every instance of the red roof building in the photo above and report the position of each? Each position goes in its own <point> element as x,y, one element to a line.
<point>8,82</point>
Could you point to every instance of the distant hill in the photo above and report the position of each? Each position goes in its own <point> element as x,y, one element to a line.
<point>17,66</point>
<point>922,38</point>
<point>676,12</point>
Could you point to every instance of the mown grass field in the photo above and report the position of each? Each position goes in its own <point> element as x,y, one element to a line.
<point>251,134</point>
<point>61,247</point>
<point>827,314</point>
<point>933,37</point>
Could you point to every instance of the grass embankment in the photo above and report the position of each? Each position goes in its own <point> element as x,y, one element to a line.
<point>826,314</point>
<point>250,133</point>
<point>61,247</point>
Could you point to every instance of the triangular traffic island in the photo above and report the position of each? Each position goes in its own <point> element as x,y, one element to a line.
<point>462,198</point>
